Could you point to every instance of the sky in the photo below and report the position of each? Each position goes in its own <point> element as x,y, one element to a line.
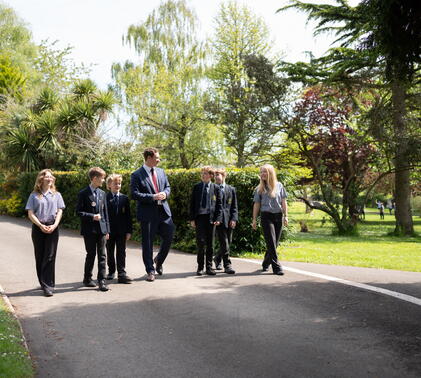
<point>94,28</point>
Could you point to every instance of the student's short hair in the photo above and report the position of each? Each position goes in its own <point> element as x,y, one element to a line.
<point>222,171</point>
<point>208,169</point>
<point>151,151</point>
<point>111,178</point>
<point>96,172</point>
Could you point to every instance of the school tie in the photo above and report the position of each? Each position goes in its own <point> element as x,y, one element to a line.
<point>116,203</point>
<point>96,199</point>
<point>204,201</point>
<point>154,180</point>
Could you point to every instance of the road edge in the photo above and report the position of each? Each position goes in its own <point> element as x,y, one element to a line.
<point>13,312</point>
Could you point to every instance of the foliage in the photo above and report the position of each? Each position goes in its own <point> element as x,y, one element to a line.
<point>380,44</point>
<point>181,181</point>
<point>12,80</point>
<point>165,91</point>
<point>248,97</point>
<point>338,155</point>
<point>49,133</point>
<point>11,205</point>
<point>15,360</point>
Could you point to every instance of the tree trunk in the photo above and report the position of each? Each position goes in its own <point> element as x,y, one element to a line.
<point>182,148</point>
<point>403,215</point>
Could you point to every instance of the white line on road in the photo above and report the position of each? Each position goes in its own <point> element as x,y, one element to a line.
<point>404,297</point>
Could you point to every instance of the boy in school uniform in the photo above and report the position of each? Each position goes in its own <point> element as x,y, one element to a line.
<point>92,209</point>
<point>205,214</point>
<point>228,223</point>
<point>121,229</point>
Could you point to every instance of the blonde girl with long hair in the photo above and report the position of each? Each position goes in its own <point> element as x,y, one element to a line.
<point>270,201</point>
<point>45,208</point>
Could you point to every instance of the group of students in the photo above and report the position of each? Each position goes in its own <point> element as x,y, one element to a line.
<point>106,222</point>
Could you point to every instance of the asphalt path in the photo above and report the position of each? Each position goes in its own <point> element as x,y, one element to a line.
<point>251,324</point>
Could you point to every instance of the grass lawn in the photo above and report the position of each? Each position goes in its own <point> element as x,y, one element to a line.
<point>14,359</point>
<point>373,248</point>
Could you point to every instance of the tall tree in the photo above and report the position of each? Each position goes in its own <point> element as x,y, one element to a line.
<point>241,39</point>
<point>164,92</point>
<point>337,153</point>
<point>379,39</point>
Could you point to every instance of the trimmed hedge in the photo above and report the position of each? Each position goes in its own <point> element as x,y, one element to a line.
<point>181,181</point>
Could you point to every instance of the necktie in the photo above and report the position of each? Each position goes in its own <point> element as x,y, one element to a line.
<point>204,201</point>
<point>116,203</point>
<point>154,180</point>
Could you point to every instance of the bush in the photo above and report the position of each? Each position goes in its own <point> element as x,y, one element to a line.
<point>181,181</point>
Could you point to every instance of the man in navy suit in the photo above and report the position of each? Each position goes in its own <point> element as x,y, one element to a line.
<point>151,189</point>
<point>205,214</point>
<point>92,210</point>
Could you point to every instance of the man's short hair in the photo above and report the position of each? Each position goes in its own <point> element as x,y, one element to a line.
<point>111,178</point>
<point>221,171</point>
<point>151,151</point>
<point>96,172</point>
<point>207,169</point>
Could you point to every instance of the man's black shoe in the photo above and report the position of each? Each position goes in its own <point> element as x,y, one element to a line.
<point>229,270</point>
<point>200,272</point>
<point>279,272</point>
<point>110,277</point>
<point>218,264</point>
<point>102,286</point>
<point>265,268</point>
<point>210,272</point>
<point>158,267</point>
<point>47,292</point>
<point>124,280</point>
<point>89,283</point>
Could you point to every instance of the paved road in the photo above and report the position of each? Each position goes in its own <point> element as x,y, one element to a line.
<point>248,325</point>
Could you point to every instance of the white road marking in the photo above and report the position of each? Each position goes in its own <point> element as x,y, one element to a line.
<point>395,294</point>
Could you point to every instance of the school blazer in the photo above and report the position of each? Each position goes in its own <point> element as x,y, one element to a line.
<point>142,191</point>
<point>229,205</point>
<point>86,209</point>
<point>215,202</point>
<point>120,219</point>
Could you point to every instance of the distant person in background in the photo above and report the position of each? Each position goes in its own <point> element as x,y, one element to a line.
<point>121,229</point>
<point>45,207</point>
<point>381,210</point>
<point>270,200</point>
<point>389,205</point>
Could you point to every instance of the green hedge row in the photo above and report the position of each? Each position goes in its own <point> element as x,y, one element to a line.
<point>181,181</point>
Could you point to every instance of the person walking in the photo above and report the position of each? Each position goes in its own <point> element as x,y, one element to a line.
<point>205,214</point>
<point>45,208</point>
<point>228,222</point>
<point>270,200</point>
<point>121,229</point>
<point>92,209</point>
<point>151,189</point>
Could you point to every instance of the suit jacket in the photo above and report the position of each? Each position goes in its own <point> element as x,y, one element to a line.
<point>215,202</point>
<point>87,207</point>
<point>142,191</point>
<point>120,219</point>
<point>229,205</point>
